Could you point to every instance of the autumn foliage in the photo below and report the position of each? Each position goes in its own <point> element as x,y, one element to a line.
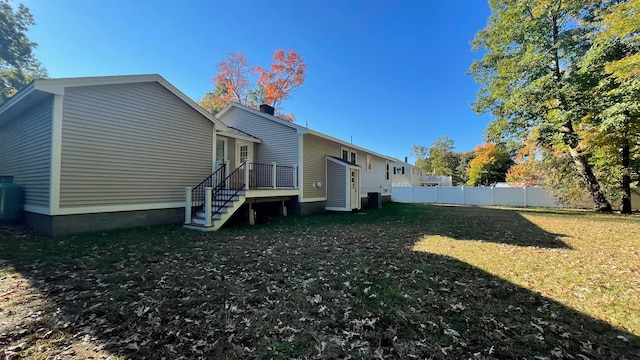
<point>286,74</point>
<point>489,165</point>
<point>272,87</point>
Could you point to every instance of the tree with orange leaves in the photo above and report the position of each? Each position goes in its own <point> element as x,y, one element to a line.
<point>274,85</point>
<point>489,165</point>
<point>286,74</point>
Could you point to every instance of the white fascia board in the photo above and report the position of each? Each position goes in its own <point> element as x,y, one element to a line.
<point>24,92</point>
<point>239,136</point>
<point>117,208</point>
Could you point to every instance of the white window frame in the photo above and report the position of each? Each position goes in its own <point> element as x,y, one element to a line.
<point>387,171</point>
<point>369,162</point>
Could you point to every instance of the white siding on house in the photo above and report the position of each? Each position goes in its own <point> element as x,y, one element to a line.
<point>374,180</point>
<point>279,142</point>
<point>25,151</point>
<point>130,144</point>
<point>336,185</point>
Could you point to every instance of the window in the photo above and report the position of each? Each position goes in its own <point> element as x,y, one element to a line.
<point>244,153</point>
<point>345,154</point>
<point>387,173</point>
<point>369,162</point>
<point>353,158</point>
<point>220,151</point>
<point>403,170</point>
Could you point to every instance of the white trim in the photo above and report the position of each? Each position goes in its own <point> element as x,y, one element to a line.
<point>239,136</point>
<point>368,163</point>
<point>314,199</point>
<point>56,154</point>
<point>213,150</point>
<point>117,208</point>
<point>300,168</point>
<point>17,98</point>
<point>337,209</point>
<point>358,190</point>
<point>38,209</point>
<point>252,194</point>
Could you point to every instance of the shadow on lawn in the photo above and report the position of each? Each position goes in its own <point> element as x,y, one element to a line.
<point>330,286</point>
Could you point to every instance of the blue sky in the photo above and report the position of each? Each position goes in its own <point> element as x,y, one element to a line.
<point>389,74</point>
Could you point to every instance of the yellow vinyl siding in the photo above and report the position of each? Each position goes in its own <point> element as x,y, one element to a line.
<point>130,144</point>
<point>314,153</point>
<point>25,151</point>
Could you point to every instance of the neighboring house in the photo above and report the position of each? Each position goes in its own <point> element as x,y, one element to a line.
<point>99,153</point>
<point>405,174</point>
<point>332,174</point>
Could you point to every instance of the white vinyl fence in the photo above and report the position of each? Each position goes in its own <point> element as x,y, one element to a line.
<point>464,195</point>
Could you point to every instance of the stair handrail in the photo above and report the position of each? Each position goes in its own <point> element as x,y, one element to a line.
<point>198,192</point>
<point>230,181</point>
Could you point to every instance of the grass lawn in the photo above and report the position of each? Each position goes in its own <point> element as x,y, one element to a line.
<point>407,281</point>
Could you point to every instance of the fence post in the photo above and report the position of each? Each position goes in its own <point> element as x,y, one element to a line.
<point>462,187</point>
<point>295,177</point>
<point>493,195</point>
<point>246,175</point>
<point>524,188</point>
<point>274,176</point>
<point>187,205</point>
<point>207,206</point>
<point>437,194</point>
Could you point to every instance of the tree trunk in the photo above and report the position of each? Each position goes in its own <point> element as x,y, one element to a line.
<point>569,136</point>
<point>626,180</point>
<point>600,202</point>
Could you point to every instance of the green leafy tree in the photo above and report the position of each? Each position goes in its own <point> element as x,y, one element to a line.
<point>528,78</point>
<point>461,176</point>
<point>612,66</point>
<point>18,66</point>
<point>439,159</point>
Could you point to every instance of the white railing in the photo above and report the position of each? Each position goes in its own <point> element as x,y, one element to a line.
<point>436,180</point>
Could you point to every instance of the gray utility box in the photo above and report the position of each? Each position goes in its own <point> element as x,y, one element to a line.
<point>374,200</point>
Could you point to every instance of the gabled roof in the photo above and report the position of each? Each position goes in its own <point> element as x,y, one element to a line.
<point>300,129</point>
<point>56,86</point>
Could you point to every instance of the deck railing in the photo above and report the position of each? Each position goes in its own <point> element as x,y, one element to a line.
<point>223,187</point>
<point>271,176</point>
<point>215,181</point>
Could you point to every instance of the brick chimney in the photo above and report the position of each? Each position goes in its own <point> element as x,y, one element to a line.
<point>267,109</point>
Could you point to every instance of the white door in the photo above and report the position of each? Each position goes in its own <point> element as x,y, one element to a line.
<point>244,152</point>
<point>354,188</point>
